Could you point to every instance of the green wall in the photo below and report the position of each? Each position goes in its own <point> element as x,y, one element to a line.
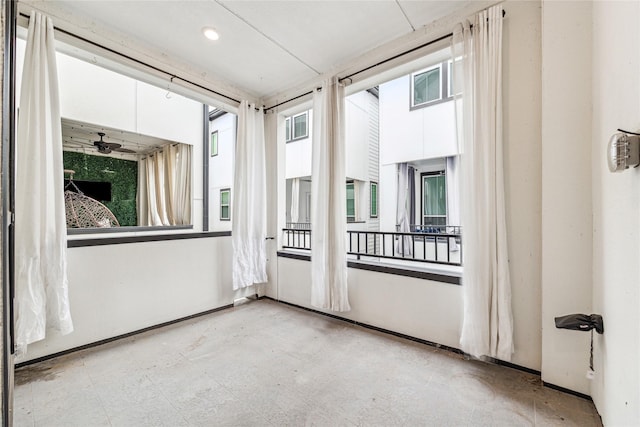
<point>122,174</point>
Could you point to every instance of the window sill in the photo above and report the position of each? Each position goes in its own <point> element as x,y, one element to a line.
<point>135,229</point>
<point>102,241</point>
<point>436,273</point>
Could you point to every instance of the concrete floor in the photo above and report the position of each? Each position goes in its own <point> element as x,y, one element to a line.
<point>268,364</point>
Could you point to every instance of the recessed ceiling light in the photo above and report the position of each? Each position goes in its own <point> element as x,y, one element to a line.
<point>210,33</point>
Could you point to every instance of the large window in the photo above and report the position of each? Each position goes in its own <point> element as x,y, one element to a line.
<point>426,86</point>
<point>297,126</point>
<point>434,198</point>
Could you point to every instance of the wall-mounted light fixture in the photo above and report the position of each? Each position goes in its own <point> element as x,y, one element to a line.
<point>623,151</point>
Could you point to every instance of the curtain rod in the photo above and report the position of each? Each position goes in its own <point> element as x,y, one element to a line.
<point>173,76</point>
<point>384,61</point>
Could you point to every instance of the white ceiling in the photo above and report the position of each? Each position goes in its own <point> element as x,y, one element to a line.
<point>265,47</point>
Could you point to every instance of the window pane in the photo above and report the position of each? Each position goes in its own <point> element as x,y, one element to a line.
<point>434,195</point>
<point>224,212</point>
<point>426,86</point>
<point>351,202</point>
<point>224,198</point>
<point>300,126</point>
<point>214,143</point>
<point>374,199</point>
<point>287,125</point>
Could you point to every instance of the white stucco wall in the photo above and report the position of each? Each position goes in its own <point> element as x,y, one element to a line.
<point>616,206</point>
<point>566,188</point>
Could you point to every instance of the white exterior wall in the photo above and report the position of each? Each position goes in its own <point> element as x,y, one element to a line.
<point>298,154</point>
<point>616,221</point>
<point>221,167</point>
<point>423,133</point>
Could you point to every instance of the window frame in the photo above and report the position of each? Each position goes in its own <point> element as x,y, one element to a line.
<point>227,205</point>
<point>290,127</point>
<point>412,102</point>
<point>354,217</point>
<point>372,185</point>
<point>213,152</point>
<point>423,214</point>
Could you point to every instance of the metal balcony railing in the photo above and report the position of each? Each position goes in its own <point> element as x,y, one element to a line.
<point>432,244</point>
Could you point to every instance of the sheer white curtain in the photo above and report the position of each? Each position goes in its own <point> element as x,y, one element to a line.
<point>164,187</point>
<point>488,322</point>
<point>42,299</point>
<point>295,200</point>
<point>329,200</point>
<point>249,212</point>
<point>404,245</point>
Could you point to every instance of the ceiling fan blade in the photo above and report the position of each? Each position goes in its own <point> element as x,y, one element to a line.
<point>112,145</point>
<point>124,150</point>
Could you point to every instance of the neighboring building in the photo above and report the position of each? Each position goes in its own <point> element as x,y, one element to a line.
<point>361,114</point>
<point>222,143</point>
<point>417,127</point>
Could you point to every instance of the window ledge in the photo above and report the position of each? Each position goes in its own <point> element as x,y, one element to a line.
<point>434,272</point>
<point>101,241</point>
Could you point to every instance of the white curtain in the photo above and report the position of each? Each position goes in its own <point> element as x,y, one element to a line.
<point>404,245</point>
<point>488,322</point>
<point>329,200</point>
<point>295,200</point>
<point>42,299</point>
<point>164,187</point>
<point>249,209</point>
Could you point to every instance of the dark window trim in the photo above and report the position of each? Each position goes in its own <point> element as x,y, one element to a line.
<point>79,243</point>
<point>228,205</point>
<point>386,269</point>
<point>371,183</point>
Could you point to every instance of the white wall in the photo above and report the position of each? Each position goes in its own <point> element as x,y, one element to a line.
<point>566,188</point>
<point>115,289</point>
<point>298,153</point>
<point>221,167</point>
<point>616,219</point>
<point>415,307</point>
<point>406,135</point>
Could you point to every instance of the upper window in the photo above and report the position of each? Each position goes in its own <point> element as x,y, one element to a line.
<point>426,86</point>
<point>373,199</point>
<point>214,143</point>
<point>297,126</point>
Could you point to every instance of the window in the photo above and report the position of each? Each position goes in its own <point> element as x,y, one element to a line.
<point>225,195</point>
<point>434,198</point>
<point>426,86</point>
<point>296,127</point>
<point>351,201</point>
<point>373,190</point>
<point>214,143</point>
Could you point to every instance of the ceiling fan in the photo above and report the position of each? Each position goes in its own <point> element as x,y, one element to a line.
<point>108,147</point>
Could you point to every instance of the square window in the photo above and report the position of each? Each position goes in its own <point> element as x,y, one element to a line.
<point>426,87</point>
<point>300,126</point>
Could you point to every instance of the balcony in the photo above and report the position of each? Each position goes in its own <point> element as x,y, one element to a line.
<point>439,244</point>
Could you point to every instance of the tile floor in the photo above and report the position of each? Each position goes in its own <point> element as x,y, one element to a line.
<point>269,364</point>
